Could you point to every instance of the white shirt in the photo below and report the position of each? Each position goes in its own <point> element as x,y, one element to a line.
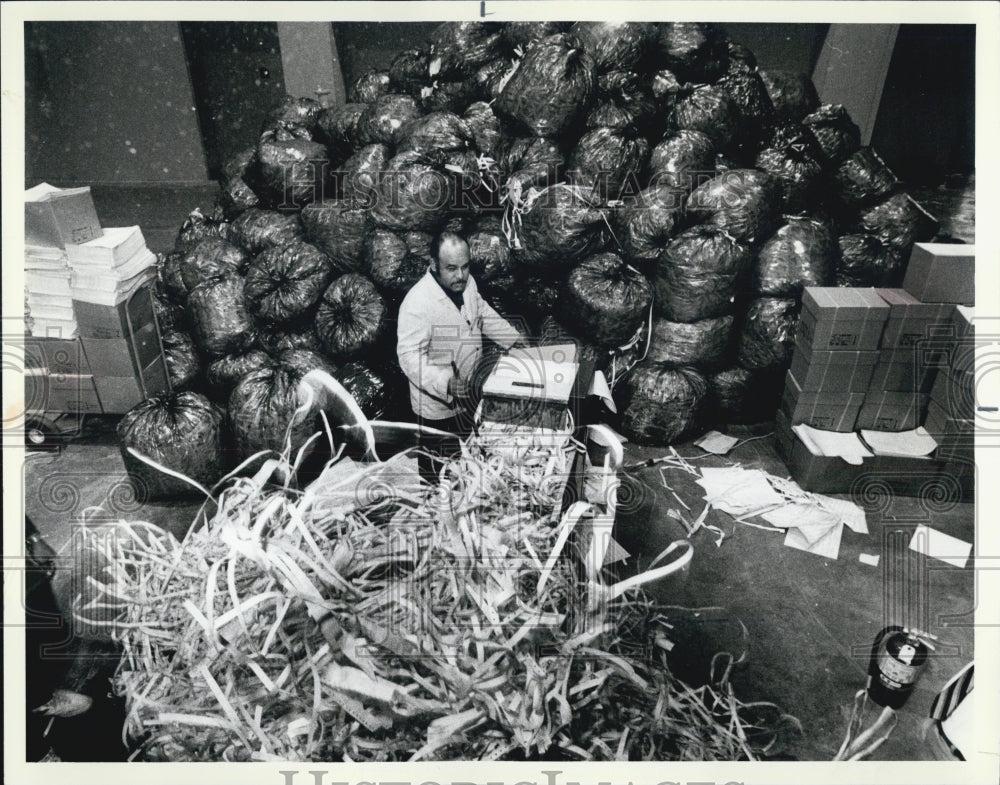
<point>434,338</point>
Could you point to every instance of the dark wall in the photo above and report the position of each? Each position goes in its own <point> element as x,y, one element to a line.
<point>926,122</point>
<point>109,102</point>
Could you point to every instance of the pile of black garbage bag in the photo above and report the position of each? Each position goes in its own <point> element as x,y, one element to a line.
<point>643,188</point>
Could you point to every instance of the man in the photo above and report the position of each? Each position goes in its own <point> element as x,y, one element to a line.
<point>441,325</point>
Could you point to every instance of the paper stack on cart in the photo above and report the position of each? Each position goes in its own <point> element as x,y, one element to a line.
<point>108,269</point>
<point>48,294</point>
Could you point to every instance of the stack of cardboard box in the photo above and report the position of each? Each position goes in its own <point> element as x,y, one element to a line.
<point>910,351</point>
<point>887,360</point>
<point>836,350</point>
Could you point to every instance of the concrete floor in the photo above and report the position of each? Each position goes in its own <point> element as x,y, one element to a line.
<point>809,620</point>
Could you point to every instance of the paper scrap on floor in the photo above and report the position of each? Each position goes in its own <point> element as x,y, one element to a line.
<point>871,559</point>
<point>939,545</point>
<point>740,492</point>
<point>909,444</point>
<point>813,522</point>
<point>716,443</point>
<point>833,444</point>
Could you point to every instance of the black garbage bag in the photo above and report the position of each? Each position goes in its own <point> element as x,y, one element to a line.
<point>224,373</point>
<point>293,172</point>
<point>624,101</point>
<point>197,227</point>
<point>257,230</point>
<point>275,340</point>
<point>865,260</point>
<point>712,111</point>
<point>219,318</point>
<point>263,403</point>
<point>899,222</point>
<point>488,80</point>
<point>294,114</point>
<point>383,121</point>
<point>744,202</point>
<point>698,274</point>
<point>667,90</point>
<point>835,133</point>
<point>647,222</point>
<point>489,254</point>
<point>793,159</point>
<point>484,126</point>
<point>339,128</point>
<point>351,316</point>
<point>415,194</point>
<point>606,300</point>
<point>408,72</point>
<point>169,314</point>
<point>168,273</point>
<point>179,431</point>
<point>359,176</point>
<point>756,113</point>
<point>615,46</point>
<point>736,395</point>
<point>454,97</point>
<point>684,159</point>
<point>792,94</point>
<point>695,51</point>
<point>741,59</point>
<point>605,161</point>
<point>704,344</point>
<point>803,252</point>
<point>767,336</point>
<point>436,132</point>
<point>338,229</point>
<point>532,162</point>
<point>532,298</point>
<point>521,35</point>
<point>459,49</point>
<point>212,258</point>
<point>283,285</point>
<point>386,255</point>
<point>238,176</point>
<point>560,227</point>
<point>368,387</point>
<point>552,88</point>
<point>181,356</point>
<point>659,402</point>
<point>369,87</point>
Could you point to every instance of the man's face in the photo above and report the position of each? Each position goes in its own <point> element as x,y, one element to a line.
<point>453,266</point>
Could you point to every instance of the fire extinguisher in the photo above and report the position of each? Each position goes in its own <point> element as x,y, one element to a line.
<point>898,657</point>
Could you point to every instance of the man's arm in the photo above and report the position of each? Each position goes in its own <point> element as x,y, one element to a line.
<point>413,334</point>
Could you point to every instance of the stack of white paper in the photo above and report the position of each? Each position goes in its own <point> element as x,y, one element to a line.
<point>48,292</point>
<point>108,269</point>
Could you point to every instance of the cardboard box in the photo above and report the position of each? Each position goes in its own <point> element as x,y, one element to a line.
<point>842,318</point>
<point>821,474</point>
<point>36,390</point>
<point>828,411</point>
<point>955,393</point>
<point>118,394</point>
<point>75,393</point>
<point>908,370</point>
<point>61,356</point>
<point>832,371</point>
<point>958,477</point>
<point>115,321</point>
<point>64,218</point>
<point>942,273</point>
<point>892,411</point>
<point>911,320</point>
<point>122,356</point>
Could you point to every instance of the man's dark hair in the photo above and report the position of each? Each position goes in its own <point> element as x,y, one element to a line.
<point>440,240</point>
